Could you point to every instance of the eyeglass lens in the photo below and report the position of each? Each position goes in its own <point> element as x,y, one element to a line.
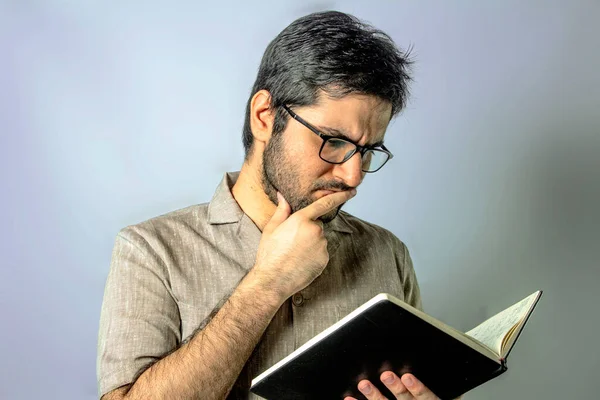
<point>339,150</point>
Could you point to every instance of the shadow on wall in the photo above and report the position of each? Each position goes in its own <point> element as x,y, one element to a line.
<point>541,228</point>
<point>568,204</point>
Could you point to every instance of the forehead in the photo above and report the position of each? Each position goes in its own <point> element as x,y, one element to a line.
<point>363,118</point>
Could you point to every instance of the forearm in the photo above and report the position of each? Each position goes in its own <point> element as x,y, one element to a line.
<point>207,366</point>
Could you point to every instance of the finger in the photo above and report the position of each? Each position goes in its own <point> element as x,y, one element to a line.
<point>326,203</point>
<point>395,385</point>
<point>417,389</point>
<point>282,212</point>
<point>370,391</point>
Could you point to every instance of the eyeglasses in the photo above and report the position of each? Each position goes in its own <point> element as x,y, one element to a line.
<point>336,150</point>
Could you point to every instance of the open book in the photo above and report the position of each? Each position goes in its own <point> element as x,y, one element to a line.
<point>500,332</point>
<point>387,334</point>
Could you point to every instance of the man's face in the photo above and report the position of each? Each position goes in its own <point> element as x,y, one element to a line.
<point>291,162</point>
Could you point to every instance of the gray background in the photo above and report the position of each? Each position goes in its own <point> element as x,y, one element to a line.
<point>114,112</point>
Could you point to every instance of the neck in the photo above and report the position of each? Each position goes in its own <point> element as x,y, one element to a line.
<point>250,196</point>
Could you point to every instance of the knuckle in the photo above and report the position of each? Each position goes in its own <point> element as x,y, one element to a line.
<point>327,203</point>
<point>318,227</point>
<point>398,390</point>
<point>418,390</point>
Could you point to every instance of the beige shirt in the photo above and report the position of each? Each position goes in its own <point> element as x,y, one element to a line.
<point>168,273</point>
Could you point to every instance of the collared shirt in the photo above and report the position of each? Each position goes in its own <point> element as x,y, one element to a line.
<point>169,273</point>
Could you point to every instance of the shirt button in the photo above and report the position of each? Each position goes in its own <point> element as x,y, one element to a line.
<point>298,299</point>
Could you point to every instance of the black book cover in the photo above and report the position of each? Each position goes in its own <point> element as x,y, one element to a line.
<point>382,337</point>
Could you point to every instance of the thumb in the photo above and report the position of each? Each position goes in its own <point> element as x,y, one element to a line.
<point>282,212</point>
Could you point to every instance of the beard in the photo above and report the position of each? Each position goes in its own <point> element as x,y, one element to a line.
<point>281,174</point>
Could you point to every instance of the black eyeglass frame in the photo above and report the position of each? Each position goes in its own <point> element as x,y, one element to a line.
<point>361,149</point>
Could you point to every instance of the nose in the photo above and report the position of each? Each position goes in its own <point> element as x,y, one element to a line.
<point>350,172</point>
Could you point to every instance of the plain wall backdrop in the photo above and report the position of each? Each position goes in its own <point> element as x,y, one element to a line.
<point>115,112</point>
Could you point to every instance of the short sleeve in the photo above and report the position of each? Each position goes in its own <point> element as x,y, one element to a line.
<point>139,321</point>
<point>412,293</point>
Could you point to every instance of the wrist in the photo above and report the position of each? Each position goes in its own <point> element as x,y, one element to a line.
<point>261,290</point>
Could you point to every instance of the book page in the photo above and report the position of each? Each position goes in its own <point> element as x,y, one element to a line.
<point>493,331</point>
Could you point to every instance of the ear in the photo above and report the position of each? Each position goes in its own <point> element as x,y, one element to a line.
<point>262,117</point>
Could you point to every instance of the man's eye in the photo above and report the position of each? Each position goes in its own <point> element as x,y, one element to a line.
<point>337,143</point>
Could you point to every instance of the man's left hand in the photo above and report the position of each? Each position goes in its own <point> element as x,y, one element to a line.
<point>406,388</point>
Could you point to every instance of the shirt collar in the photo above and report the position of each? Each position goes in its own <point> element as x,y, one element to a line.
<point>223,209</point>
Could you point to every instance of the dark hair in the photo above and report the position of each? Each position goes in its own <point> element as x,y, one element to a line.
<point>333,52</point>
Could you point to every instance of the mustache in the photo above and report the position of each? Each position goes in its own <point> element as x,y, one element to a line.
<point>332,186</point>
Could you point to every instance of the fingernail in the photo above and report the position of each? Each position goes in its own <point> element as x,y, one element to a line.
<point>353,192</point>
<point>409,381</point>
<point>366,388</point>
<point>388,379</point>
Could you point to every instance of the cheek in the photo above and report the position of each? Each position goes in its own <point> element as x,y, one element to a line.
<point>305,156</point>
<point>303,150</point>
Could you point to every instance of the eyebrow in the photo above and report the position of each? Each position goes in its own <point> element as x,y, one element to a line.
<point>343,135</point>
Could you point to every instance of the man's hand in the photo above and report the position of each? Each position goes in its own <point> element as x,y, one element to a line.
<point>293,249</point>
<point>406,388</point>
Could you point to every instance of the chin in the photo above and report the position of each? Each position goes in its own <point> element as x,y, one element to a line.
<point>330,216</point>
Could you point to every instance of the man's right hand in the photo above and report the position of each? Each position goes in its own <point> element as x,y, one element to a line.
<point>293,249</point>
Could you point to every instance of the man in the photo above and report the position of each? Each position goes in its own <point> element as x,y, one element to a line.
<point>201,300</point>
